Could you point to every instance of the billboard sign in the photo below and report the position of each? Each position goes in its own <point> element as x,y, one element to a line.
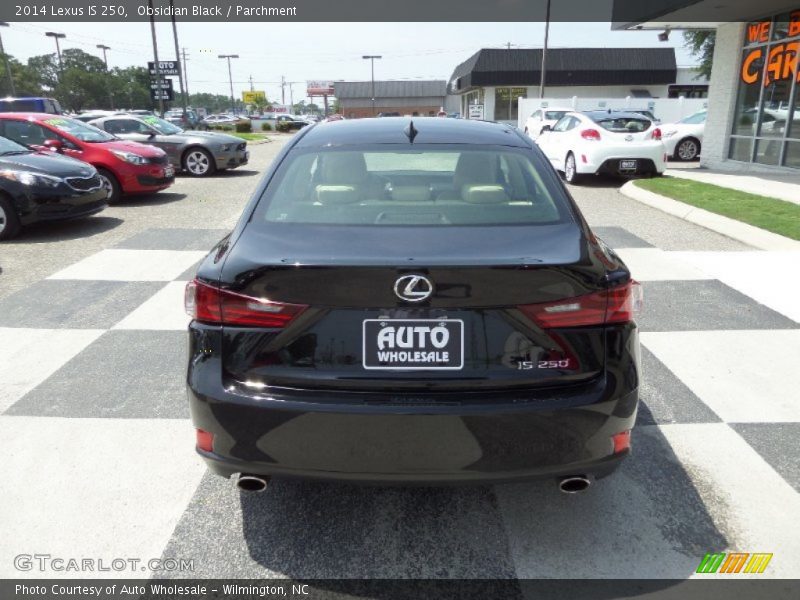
<point>319,88</point>
<point>162,90</point>
<point>254,96</point>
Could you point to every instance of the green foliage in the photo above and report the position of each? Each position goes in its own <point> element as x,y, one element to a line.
<point>701,44</point>
<point>266,127</point>
<point>244,127</point>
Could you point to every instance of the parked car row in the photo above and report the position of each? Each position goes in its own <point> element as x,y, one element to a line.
<point>57,167</point>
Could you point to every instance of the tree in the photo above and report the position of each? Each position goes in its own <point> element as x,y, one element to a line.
<point>701,44</point>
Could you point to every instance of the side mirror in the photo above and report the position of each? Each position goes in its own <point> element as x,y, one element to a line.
<point>54,145</point>
<point>547,128</point>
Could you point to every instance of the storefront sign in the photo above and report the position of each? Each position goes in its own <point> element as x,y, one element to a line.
<point>781,58</point>
<point>476,111</point>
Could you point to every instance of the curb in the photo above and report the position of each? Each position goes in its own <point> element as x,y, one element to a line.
<point>748,234</point>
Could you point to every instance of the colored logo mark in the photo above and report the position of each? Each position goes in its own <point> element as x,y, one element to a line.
<point>734,562</point>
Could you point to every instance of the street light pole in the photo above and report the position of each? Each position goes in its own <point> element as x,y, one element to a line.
<point>230,78</point>
<point>372,58</point>
<point>57,36</point>
<point>104,48</point>
<point>8,65</point>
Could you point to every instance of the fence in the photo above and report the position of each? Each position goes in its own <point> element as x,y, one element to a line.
<point>668,110</point>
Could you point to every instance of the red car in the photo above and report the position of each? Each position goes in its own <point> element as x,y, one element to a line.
<point>125,167</point>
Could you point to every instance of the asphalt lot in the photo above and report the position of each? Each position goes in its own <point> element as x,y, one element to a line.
<point>98,447</point>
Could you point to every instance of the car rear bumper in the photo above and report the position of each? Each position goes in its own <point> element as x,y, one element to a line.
<point>502,436</point>
<point>649,156</point>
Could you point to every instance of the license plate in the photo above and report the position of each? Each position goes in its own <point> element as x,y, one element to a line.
<point>627,165</point>
<point>169,171</point>
<point>413,344</point>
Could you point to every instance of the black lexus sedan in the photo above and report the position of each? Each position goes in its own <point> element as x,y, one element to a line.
<point>44,186</point>
<point>413,301</point>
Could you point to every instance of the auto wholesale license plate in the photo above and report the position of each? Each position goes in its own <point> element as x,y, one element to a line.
<point>169,171</point>
<point>627,165</point>
<point>413,344</point>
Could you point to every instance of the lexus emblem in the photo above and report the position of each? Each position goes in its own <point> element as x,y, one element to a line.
<point>413,288</point>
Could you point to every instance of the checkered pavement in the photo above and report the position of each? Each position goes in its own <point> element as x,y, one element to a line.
<point>98,454</point>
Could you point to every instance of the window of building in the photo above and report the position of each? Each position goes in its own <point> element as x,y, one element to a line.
<point>506,103</point>
<point>764,128</point>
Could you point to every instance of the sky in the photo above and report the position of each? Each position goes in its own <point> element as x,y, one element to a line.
<point>316,51</point>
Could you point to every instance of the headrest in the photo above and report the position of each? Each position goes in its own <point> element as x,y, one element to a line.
<point>337,194</point>
<point>411,193</point>
<point>484,194</point>
<point>342,168</point>
<point>475,167</point>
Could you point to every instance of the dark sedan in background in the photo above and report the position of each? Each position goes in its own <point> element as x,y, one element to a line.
<point>416,302</point>
<point>199,153</point>
<point>38,187</point>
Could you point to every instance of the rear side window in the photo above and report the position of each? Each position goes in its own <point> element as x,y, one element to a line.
<point>624,124</point>
<point>420,185</point>
<point>554,115</point>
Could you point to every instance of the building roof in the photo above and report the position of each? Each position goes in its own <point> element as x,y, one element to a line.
<point>392,130</point>
<point>566,66</point>
<point>390,89</point>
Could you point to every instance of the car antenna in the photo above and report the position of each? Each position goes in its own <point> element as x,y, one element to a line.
<point>411,131</point>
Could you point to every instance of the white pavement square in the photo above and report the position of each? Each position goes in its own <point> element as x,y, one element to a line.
<point>764,276</point>
<point>744,376</point>
<point>162,311</point>
<point>29,356</point>
<point>132,265</point>
<point>654,264</point>
<point>99,488</point>
<point>754,507</point>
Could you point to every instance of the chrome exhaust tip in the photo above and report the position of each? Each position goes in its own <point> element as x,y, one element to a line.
<point>574,484</point>
<point>252,483</point>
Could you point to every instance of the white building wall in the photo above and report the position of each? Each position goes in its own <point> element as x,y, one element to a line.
<point>722,95</point>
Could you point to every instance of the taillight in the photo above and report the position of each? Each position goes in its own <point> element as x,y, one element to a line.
<point>656,133</point>
<point>621,441</point>
<point>590,134</point>
<point>205,440</point>
<point>614,305</point>
<point>209,304</point>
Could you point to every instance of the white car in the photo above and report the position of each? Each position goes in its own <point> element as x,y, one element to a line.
<point>684,138</point>
<point>542,117</point>
<point>611,142</point>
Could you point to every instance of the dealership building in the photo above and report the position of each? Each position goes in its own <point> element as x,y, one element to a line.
<point>418,98</point>
<point>753,119</point>
<point>494,78</point>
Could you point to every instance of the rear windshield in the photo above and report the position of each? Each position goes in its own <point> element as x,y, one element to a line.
<point>420,185</point>
<point>624,124</point>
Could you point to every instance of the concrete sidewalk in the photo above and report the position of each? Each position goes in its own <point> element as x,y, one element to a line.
<point>784,186</point>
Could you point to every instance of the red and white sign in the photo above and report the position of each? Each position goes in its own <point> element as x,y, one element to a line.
<point>319,88</point>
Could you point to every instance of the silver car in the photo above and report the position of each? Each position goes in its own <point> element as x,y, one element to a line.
<point>199,153</point>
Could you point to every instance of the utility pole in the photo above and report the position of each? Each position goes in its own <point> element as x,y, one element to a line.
<point>155,56</point>
<point>291,96</point>
<point>251,84</point>
<point>184,99</point>
<point>8,65</point>
<point>57,36</point>
<point>371,58</point>
<point>230,78</point>
<point>544,50</point>
<point>283,90</point>
<point>104,48</point>
<point>185,75</point>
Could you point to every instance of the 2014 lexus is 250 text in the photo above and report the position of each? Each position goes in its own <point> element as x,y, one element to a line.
<point>413,301</point>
